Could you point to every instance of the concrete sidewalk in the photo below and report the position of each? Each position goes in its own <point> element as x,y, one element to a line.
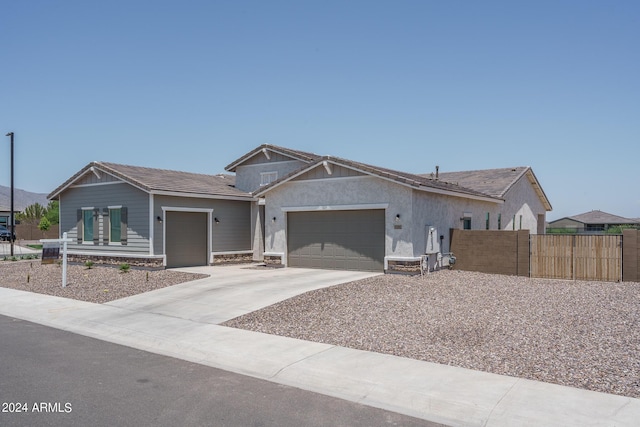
<point>439,393</point>
<point>18,250</point>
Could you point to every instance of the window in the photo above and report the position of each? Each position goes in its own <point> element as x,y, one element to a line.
<point>267,178</point>
<point>520,222</point>
<point>115,225</point>
<point>466,221</point>
<point>486,221</point>
<point>87,225</point>
<point>499,221</point>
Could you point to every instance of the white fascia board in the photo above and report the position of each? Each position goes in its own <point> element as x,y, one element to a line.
<point>363,206</point>
<point>98,184</point>
<point>185,209</point>
<point>203,196</point>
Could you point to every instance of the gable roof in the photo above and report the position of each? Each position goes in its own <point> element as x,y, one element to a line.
<point>411,180</point>
<point>161,181</point>
<point>598,217</point>
<point>495,182</point>
<point>294,154</point>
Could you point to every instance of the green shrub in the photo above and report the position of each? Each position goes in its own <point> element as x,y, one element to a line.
<point>125,268</point>
<point>88,264</point>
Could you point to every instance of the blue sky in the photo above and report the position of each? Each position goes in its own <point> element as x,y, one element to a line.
<point>408,85</point>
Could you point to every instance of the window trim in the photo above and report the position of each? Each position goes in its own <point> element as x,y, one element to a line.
<point>111,241</point>
<point>91,210</point>
<point>267,178</point>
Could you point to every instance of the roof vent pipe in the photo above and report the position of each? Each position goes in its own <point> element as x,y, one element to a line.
<point>437,171</point>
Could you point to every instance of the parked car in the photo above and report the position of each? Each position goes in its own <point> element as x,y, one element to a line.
<point>5,234</point>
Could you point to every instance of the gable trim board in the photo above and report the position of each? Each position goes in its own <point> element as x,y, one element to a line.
<point>265,148</point>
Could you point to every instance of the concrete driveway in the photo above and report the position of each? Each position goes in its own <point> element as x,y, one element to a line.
<point>233,290</point>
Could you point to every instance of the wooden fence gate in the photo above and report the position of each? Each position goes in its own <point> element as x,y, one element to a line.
<point>576,257</point>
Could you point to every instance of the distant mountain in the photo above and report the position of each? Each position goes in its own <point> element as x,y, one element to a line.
<point>21,199</point>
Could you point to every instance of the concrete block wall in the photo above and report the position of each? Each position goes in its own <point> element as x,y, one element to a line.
<point>495,252</point>
<point>631,255</point>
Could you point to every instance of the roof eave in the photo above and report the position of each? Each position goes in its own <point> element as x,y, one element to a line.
<point>538,189</point>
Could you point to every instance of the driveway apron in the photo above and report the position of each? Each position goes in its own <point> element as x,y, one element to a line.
<point>232,291</point>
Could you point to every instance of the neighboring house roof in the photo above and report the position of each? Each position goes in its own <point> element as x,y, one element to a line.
<point>495,182</point>
<point>161,181</point>
<point>415,181</point>
<point>598,217</point>
<point>295,154</point>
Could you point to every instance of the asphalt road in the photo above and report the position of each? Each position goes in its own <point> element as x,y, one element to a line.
<point>50,377</point>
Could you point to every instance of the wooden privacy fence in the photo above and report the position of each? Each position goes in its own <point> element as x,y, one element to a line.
<point>576,257</point>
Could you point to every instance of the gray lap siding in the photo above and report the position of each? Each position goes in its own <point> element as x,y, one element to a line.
<point>231,233</point>
<point>101,198</point>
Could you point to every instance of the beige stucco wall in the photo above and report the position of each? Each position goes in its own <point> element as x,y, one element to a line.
<point>522,199</point>
<point>444,212</point>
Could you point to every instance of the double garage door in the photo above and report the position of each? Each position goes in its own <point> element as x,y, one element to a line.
<point>341,240</point>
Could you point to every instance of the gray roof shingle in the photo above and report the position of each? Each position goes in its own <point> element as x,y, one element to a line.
<point>599,217</point>
<point>495,182</point>
<point>163,180</point>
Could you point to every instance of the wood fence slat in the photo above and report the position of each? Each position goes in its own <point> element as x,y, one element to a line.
<point>590,257</point>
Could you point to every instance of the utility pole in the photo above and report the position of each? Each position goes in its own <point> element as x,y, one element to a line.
<point>12,220</point>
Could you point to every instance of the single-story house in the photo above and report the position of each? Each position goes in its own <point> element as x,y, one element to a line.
<point>591,222</point>
<point>291,208</point>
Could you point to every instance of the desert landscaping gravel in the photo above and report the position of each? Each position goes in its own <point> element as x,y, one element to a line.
<point>578,334</point>
<point>98,284</point>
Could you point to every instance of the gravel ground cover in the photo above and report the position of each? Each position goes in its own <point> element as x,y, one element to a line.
<point>578,334</point>
<point>99,284</point>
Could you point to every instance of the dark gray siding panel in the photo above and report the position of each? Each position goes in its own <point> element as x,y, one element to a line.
<point>100,197</point>
<point>231,233</point>
<point>343,240</point>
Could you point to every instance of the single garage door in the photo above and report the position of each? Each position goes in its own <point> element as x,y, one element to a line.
<point>340,240</point>
<point>186,236</point>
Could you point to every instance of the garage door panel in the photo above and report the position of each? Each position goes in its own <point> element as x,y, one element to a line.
<point>186,239</point>
<point>352,240</point>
